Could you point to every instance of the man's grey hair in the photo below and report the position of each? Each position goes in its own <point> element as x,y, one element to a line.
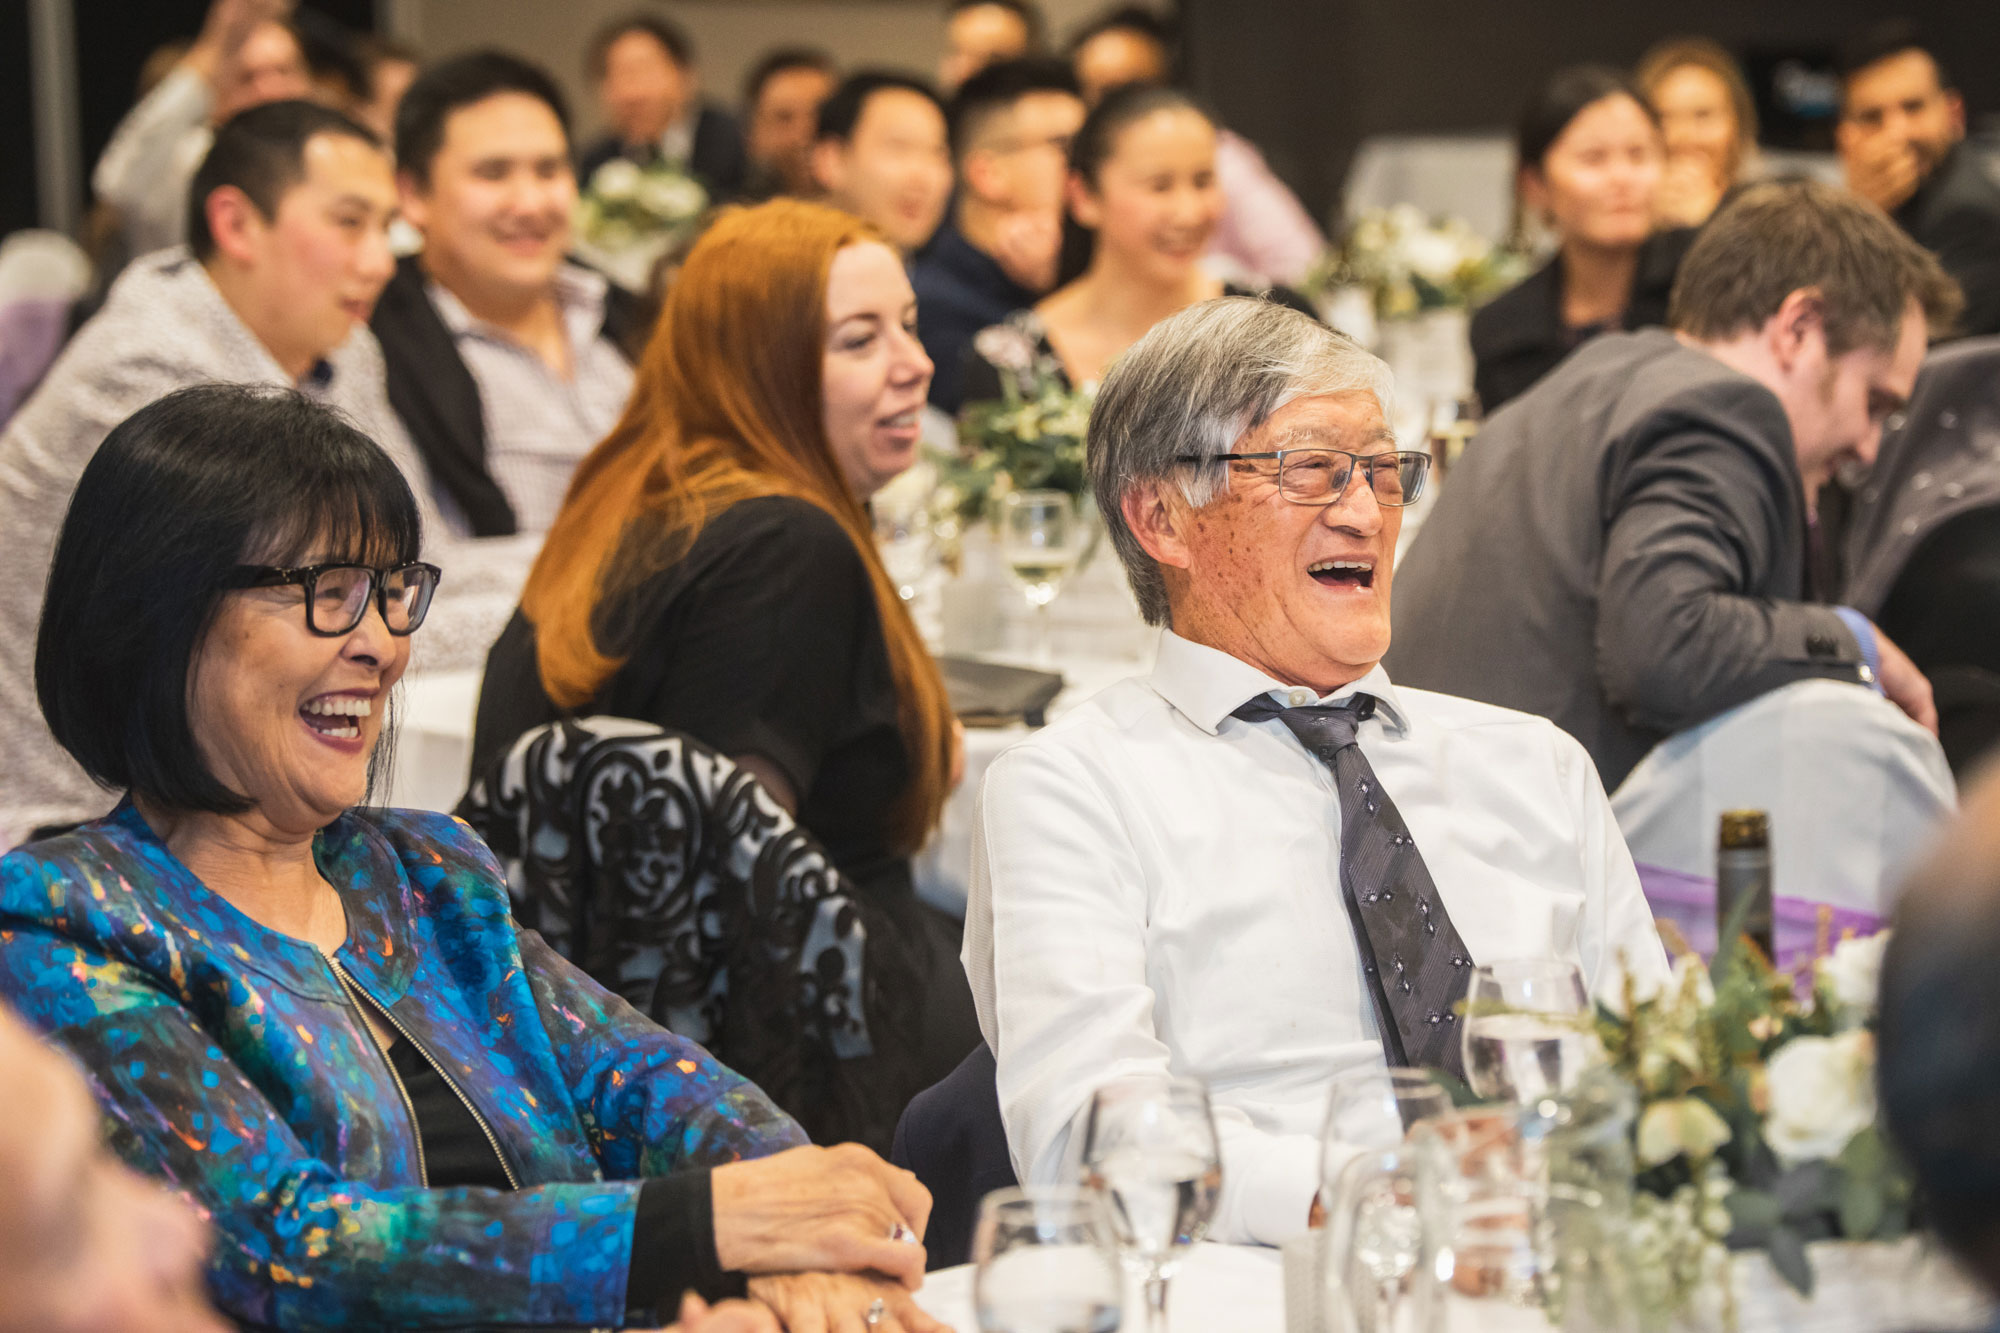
<point>1192,386</point>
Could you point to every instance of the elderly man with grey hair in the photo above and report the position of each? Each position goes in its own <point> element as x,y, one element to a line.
<point>1265,864</point>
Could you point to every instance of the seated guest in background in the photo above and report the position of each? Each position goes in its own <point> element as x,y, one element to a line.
<point>781,101</point>
<point>1590,164</point>
<point>1625,549</point>
<point>288,249</point>
<point>881,152</point>
<point>713,568</point>
<point>1142,204</point>
<point>643,67</point>
<point>1938,1036</point>
<point>1902,143</point>
<point>1168,873</point>
<point>1265,234</point>
<point>978,33</point>
<point>504,359</point>
<point>392,68</point>
<point>320,1022</point>
<point>244,56</point>
<point>86,1246</point>
<point>1011,126</point>
<point>1708,122</point>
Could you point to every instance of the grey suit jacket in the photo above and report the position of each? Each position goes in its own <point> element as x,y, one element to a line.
<point>1622,551</point>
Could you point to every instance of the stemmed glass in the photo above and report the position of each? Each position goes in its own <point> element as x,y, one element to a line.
<point>1371,1246</point>
<point>1045,1261</point>
<point>1528,1031</point>
<point>1149,1147</point>
<point>1040,538</point>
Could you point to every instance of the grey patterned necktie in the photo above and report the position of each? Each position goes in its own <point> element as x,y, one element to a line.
<point>1416,966</point>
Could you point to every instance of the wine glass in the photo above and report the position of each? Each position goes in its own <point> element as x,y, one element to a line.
<point>1375,1245</point>
<point>906,542</point>
<point>1045,1261</point>
<point>1149,1147</point>
<point>1040,534</point>
<point>1373,1107</point>
<point>1528,1030</point>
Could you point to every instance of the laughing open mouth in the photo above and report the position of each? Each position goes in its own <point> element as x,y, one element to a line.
<point>337,717</point>
<point>1343,573</point>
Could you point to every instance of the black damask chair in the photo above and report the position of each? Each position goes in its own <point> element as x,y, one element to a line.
<point>672,877</point>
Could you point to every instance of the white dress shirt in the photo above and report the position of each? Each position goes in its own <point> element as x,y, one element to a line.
<point>1154,888</point>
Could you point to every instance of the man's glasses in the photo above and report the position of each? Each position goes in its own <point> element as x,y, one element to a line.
<point>1320,476</point>
<point>337,596</point>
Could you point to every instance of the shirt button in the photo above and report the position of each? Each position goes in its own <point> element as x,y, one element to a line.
<point>1299,696</point>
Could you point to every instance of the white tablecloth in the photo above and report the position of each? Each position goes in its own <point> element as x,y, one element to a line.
<point>1220,1289</point>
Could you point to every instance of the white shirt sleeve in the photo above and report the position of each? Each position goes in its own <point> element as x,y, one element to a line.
<point>1056,949</point>
<point>143,151</point>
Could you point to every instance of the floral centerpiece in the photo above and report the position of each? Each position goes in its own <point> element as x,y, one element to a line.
<point>1029,438</point>
<point>627,215</point>
<point>1409,264</point>
<point>1757,1125</point>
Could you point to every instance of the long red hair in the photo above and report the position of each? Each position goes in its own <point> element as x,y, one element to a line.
<point>726,406</point>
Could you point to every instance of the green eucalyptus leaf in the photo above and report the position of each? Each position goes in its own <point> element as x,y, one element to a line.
<point>1788,1255</point>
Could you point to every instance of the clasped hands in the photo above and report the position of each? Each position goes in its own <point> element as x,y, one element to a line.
<point>814,1230</point>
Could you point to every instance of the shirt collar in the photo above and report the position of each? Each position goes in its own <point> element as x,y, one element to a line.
<point>1205,685</point>
<point>580,294</point>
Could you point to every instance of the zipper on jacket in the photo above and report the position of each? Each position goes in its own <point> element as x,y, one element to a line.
<point>350,985</point>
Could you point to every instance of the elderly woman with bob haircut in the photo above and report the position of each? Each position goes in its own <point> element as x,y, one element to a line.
<point>319,1020</point>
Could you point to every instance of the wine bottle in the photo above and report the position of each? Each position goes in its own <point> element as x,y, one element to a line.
<point>1743,870</point>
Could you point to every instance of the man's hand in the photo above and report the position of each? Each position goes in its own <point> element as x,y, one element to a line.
<point>698,1316</point>
<point>1883,170</point>
<point>1907,688</point>
<point>839,1303</point>
<point>1027,247</point>
<point>813,1209</point>
<point>228,25</point>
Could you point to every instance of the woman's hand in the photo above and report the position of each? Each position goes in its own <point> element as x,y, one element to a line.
<point>839,1303</point>
<point>810,1209</point>
<point>957,753</point>
<point>697,1316</point>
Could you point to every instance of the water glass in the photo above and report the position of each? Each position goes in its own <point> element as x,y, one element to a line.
<point>1041,536</point>
<point>1529,1034</point>
<point>1374,1247</point>
<point>1045,1261</point>
<point>908,546</point>
<point>1149,1148</point>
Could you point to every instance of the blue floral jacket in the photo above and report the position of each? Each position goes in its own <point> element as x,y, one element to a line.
<point>230,1061</point>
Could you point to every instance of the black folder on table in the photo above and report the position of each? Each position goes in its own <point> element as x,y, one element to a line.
<point>988,694</point>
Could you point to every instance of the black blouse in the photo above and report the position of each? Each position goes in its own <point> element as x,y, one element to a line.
<point>1519,336</point>
<point>763,639</point>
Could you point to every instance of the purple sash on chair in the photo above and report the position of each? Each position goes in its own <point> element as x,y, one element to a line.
<point>1688,901</point>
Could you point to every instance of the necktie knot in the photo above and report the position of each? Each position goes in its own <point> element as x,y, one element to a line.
<point>1323,729</point>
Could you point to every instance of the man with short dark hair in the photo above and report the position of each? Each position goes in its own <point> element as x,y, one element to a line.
<point>643,67</point>
<point>1624,549</point>
<point>978,33</point>
<point>781,100</point>
<point>287,250</point>
<point>504,359</point>
<point>880,152</point>
<point>1011,124</point>
<point>1902,143</point>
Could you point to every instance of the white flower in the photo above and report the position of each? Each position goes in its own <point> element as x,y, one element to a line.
<point>1680,1125</point>
<point>672,198</point>
<point>616,179</point>
<point>1822,1095</point>
<point>1853,973</point>
<point>1006,347</point>
<point>1433,256</point>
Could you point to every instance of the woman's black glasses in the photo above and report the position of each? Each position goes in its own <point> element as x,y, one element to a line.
<point>337,596</point>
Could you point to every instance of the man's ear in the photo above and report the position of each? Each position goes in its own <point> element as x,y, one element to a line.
<point>980,172</point>
<point>1083,202</point>
<point>1157,515</point>
<point>235,223</point>
<point>1798,328</point>
<point>411,201</point>
<point>1955,107</point>
<point>827,164</point>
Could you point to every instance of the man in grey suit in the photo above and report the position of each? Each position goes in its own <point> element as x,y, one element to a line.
<point>1623,549</point>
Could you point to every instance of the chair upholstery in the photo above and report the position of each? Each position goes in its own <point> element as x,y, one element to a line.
<point>953,1139</point>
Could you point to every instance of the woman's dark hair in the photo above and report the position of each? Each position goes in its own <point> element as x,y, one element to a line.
<point>1096,140</point>
<point>1562,99</point>
<point>179,494</point>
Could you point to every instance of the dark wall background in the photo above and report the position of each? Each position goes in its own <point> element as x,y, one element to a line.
<point>17,135</point>
<point>1308,80</point>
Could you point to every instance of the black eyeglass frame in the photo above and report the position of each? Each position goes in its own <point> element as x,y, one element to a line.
<point>308,577</point>
<point>1367,462</point>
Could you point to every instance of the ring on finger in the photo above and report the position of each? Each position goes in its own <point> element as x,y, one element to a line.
<point>876,1310</point>
<point>902,1233</point>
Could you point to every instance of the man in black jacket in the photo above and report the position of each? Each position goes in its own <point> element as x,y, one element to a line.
<point>1902,143</point>
<point>643,67</point>
<point>1623,549</point>
<point>504,360</point>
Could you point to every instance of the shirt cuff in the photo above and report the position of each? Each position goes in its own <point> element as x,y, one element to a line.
<point>1863,631</point>
<point>673,1249</point>
<point>1274,1187</point>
